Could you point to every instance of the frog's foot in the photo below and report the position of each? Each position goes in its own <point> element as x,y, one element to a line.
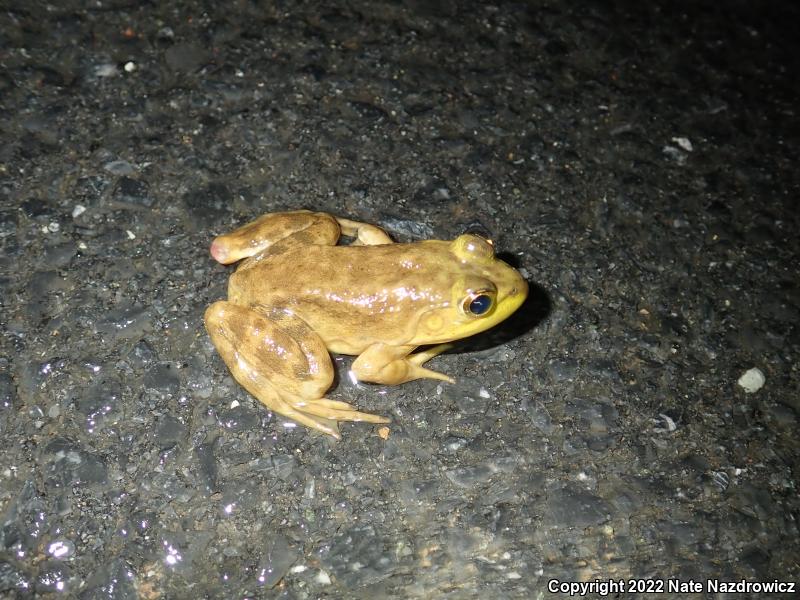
<point>395,364</point>
<point>281,361</point>
<point>300,227</point>
<point>321,414</point>
<point>325,415</point>
<point>274,401</point>
<point>365,234</point>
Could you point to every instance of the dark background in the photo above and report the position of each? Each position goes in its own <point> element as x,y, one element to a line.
<point>636,160</point>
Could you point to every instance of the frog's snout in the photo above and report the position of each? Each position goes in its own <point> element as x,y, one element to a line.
<point>518,293</point>
<point>520,289</point>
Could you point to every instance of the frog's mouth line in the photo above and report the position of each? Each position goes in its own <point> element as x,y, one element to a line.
<point>449,330</point>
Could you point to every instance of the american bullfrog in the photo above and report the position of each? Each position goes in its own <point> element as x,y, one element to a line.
<point>297,296</point>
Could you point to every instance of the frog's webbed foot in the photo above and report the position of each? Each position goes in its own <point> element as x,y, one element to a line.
<point>395,364</point>
<point>273,400</point>
<point>324,414</point>
<point>321,414</point>
<point>300,227</point>
<point>281,361</point>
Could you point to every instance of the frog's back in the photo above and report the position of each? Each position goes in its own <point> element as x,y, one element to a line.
<point>352,296</point>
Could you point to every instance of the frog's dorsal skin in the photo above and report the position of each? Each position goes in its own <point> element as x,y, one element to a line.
<point>298,295</point>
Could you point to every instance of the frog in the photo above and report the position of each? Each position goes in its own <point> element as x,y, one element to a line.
<point>298,295</point>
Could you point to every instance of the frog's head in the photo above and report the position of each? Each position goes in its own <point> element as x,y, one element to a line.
<point>484,291</point>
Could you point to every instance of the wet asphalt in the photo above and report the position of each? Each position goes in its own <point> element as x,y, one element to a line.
<point>635,424</point>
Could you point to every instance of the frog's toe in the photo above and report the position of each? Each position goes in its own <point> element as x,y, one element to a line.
<point>338,411</point>
<point>325,425</point>
<point>417,359</point>
<point>417,372</point>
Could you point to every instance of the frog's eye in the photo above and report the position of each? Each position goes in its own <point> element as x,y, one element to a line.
<point>478,303</point>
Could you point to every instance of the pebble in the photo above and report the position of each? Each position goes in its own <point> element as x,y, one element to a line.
<point>72,465</point>
<point>169,432</point>
<point>106,70</point>
<point>162,377</point>
<point>359,556</point>
<point>61,549</point>
<point>8,392</point>
<point>60,255</point>
<point>124,322</point>
<point>752,380</point>
<point>277,557</point>
<point>562,369</point>
<point>538,414</point>
<point>577,508</point>
<point>134,192</point>
<point>209,469</point>
<point>119,167</point>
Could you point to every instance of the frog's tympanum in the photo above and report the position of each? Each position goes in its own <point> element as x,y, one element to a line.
<point>298,295</point>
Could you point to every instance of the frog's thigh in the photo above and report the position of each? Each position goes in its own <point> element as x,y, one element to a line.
<point>300,227</point>
<point>278,359</point>
<point>365,234</point>
<point>395,364</point>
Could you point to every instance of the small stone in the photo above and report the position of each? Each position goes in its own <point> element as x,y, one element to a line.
<point>467,477</point>
<point>323,578</point>
<point>752,380</point>
<point>683,143</point>
<point>276,557</point>
<point>133,191</point>
<point>61,549</point>
<point>126,321</point>
<point>163,378</point>
<point>170,432</point>
<point>105,70</point>
<point>677,155</point>
<point>120,167</point>
<point>165,34</point>
<point>60,255</point>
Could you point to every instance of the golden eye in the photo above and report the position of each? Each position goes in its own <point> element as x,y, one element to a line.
<point>478,303</point>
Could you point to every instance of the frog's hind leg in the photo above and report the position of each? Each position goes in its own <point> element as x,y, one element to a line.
<point>300,227</point>
<point>364,233</point>
<point>281,361</point>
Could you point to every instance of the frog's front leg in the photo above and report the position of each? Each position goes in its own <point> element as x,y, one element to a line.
<point>392,365</point>
<point>281,361</point>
